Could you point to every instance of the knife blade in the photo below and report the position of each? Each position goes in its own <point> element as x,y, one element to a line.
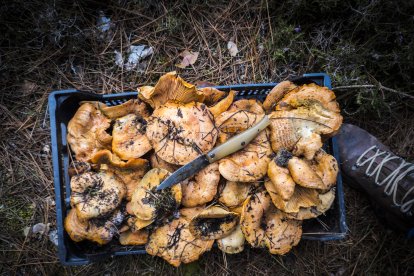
<point>234,144</point>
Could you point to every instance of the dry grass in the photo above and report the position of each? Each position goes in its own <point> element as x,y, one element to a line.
<point>52,45</point>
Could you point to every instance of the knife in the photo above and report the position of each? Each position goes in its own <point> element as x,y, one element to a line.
<point>234,144</point>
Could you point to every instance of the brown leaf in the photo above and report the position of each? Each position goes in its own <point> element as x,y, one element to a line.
<point>189,58</point>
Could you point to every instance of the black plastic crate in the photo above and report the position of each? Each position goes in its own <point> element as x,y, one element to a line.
<point>63,105</point>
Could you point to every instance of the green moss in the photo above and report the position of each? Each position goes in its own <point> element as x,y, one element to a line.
<point>16,213</point>
<point>284,44</point>
<point>172,23</point>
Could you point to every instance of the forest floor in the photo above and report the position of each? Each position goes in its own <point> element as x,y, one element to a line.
<point>366,46</point>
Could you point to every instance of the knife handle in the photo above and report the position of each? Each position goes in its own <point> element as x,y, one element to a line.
<point>237,142</point>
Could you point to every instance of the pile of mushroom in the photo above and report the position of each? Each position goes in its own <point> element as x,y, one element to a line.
<point>258,196</point>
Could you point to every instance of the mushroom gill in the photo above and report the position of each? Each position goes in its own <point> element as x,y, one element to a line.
<point>326,200</point>
<point>170,87</point>
<point>299,130</point>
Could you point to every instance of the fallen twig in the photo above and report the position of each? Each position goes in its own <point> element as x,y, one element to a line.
<point>379,87</point>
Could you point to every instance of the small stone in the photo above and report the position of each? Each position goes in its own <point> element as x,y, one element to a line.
<point>119,60</point>
<point>50,201</point>
<point>53,237</point>
<point>232,47</point>
<point>26,231</point>
<point>104,23</point>
<point>46,149</point>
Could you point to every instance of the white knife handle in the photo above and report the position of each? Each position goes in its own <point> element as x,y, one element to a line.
<point>238,142</point>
